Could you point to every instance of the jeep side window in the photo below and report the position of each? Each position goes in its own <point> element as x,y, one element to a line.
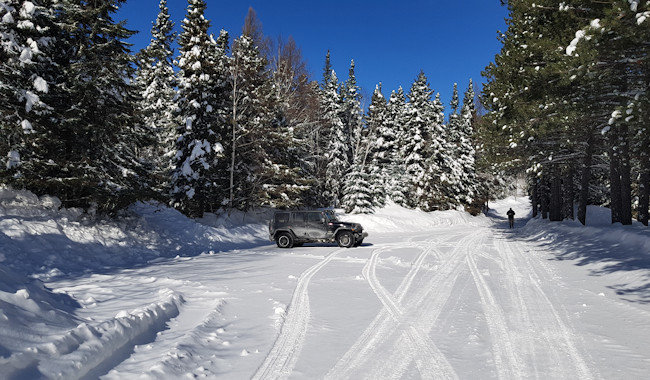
<point>299,217</point>
<point>314,217</point>
<point>282,217</point>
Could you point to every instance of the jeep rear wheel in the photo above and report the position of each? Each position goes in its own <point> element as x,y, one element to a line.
<point>345,239</point>
<point>284,240</point>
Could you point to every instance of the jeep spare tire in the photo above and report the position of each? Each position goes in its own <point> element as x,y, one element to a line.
<point>345,239</point>
<point>284,240</point>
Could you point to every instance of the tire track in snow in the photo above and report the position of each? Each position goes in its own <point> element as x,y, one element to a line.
<point>506,358</point>
<point>365,341</point>
<point>428,357</point>
<point>381,329</point>
<point>426,306</point>
<point>561,336</point>
<point>280,361</point>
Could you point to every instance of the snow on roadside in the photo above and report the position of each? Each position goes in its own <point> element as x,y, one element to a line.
<point>619,254</point>
<point>84,348</point>
<point>394,218</point>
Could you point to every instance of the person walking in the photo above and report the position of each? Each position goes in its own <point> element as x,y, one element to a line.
<point>511,217</point>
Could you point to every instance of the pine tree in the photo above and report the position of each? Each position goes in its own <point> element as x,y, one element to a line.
<point>199,161</point>
<point>396,176</point>
<point>352,115</point>
<point>337,157</point>
<point>465,147</point>
<point>28,74</point>
<point>156,83</point>
<point>454,123</point>
<point>264,170</point>
<point>101,133</point>
<point>358,195</point>
<point>379,148</point>
<point>426,161</point>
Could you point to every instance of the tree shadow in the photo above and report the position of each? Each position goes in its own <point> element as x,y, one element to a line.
<point>616,249</point>
<point>50,254</point>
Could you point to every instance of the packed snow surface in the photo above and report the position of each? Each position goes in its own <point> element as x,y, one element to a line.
<point>152,294</point>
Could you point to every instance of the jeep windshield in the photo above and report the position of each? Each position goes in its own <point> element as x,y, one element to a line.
<point>329,215</point>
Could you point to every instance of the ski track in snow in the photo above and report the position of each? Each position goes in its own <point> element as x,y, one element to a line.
<point>506,357</point>
<point>559,339</point>
<point>280,361</point>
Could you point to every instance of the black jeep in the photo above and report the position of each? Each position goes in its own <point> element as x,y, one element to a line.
<point>294,228</point>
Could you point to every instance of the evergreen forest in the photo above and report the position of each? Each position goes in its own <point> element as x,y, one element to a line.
<point>236,121</point>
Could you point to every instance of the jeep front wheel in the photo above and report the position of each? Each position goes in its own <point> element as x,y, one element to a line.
<point>345,239</point>
<point>284,240</point>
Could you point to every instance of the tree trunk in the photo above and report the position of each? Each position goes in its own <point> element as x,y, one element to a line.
<point>534,196</point>
<point>544,196</point>
<point>644,189</point>
<point>585,180</point>
<point>626,182</point>
<point>614,177</point>
<point>234,142</point>
<point>556,196</point>
<point>569,194</point>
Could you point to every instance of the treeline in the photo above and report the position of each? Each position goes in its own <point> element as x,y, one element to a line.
<point>569,103</point>
<point>221,125</point>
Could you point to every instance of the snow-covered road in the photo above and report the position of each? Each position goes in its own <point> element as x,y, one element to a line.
<point>454,302</point>
<point>429,295</point>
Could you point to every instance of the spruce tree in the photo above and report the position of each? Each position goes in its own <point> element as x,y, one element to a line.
<point>358,195</point>
<point>156,83</point>
<point>337,157</point>
<point>196,183</point>
<point>101,133</point>
<point>352,116</point>
<point>380,146</point>
<point>465,147</point>
<point>264,169</point>
<point>28,76</point>
<point>425,157</point>
<point>395,176</point>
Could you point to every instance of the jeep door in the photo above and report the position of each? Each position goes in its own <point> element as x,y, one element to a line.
<point>316,229</point>
<point>299,224</point>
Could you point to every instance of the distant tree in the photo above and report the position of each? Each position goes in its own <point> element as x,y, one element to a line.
<point>352,116</point>
<point>337,158</point>
<point>379,148</point>
<point>263,170</point>
<point>396,128</point>
<point>357,198</point>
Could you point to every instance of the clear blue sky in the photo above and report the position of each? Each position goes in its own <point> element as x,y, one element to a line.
<point>390,41</point>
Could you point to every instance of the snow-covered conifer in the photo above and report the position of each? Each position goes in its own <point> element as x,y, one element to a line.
<point>28,34</point>
<point>263,167</point>
<point>99,132</point>
<point>465,147</point>
<point>379,147</point>
<point>156,82</point>
<point>352,115</point>
<point>422,142</point>
<point>357,198</point>
<point>196,184</point>
<point>397,122</point>
<point>337,160</point>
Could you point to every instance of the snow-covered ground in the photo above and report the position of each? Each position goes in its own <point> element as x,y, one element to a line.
<point>153,294</point>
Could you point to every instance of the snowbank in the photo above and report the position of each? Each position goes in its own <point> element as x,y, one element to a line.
<point>40,239</point>
<point>620,254</point>
<point>395,219</point>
